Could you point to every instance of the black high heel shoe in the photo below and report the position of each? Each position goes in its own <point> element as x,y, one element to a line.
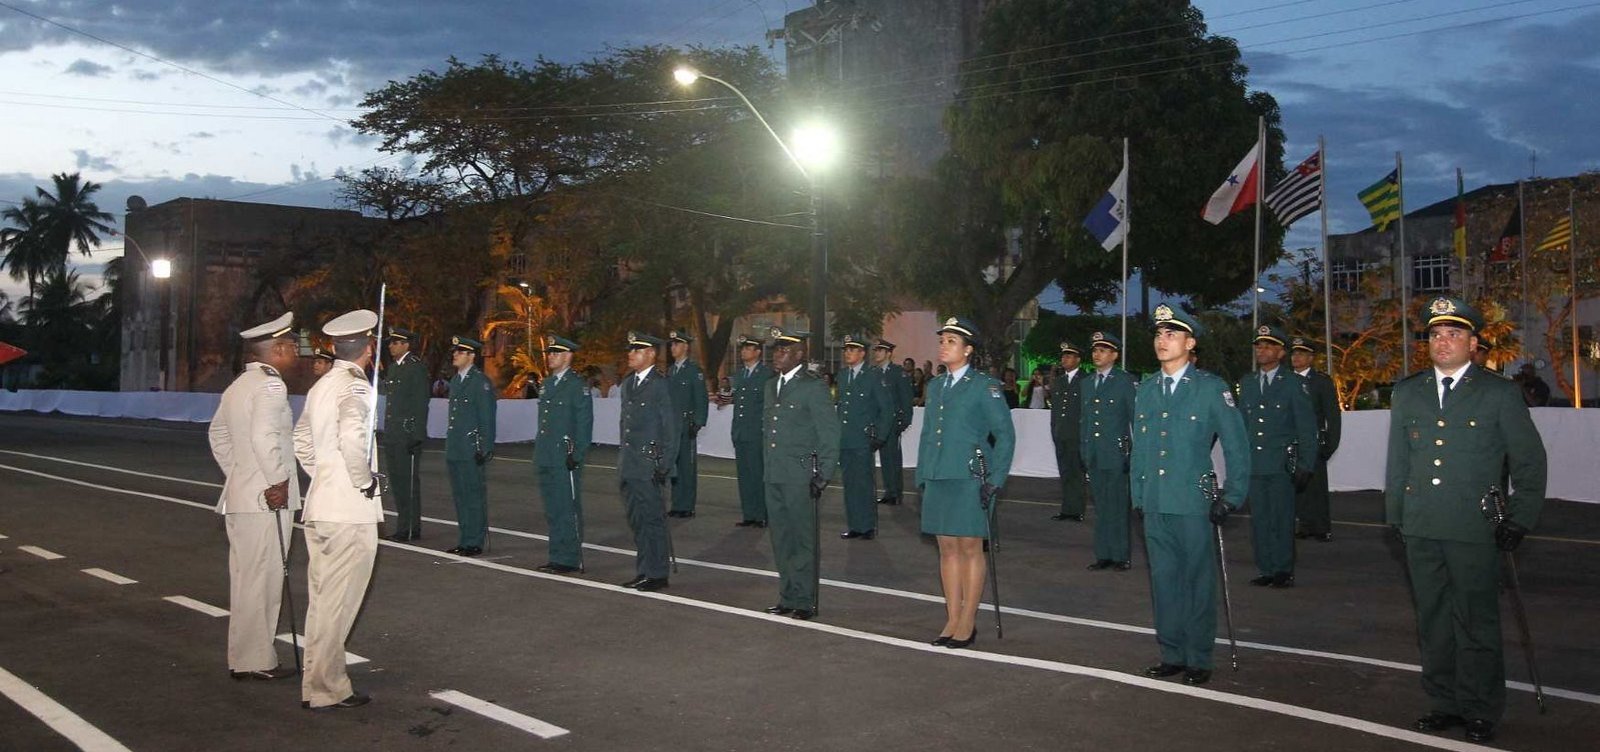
<point>955,644</point>
<point>943,640</point>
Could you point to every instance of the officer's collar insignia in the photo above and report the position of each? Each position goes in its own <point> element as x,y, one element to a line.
<point>1227,396</point>
<point>1163,312</point>
<point>1442,307</point>
<point>269,370</point>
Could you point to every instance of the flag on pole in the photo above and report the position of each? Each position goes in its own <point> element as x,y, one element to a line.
<point>9,352</point>
<point>1238,192</point>
<point>1300,193</point>
<point>1108,219</point>
<point>1382,200</point>
<point>1501,252</point>
<point>1458,236</point>
<point>1559,236</point>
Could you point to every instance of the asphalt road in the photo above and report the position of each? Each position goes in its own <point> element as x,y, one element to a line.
<point>1326,665</point>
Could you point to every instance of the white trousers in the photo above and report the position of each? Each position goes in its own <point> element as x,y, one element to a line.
<point>255,586</point>
<point>340,568</point>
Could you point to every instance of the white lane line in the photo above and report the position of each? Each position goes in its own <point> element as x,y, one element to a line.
<point>111,577</point>
<point>2,537</point>
<point>190,603</point>
<point>41,553</point>
<point>57,716</point>
<point>124,471</point>
<point>1570,694</point>
<point>350,659</point>
<point>494,712</point>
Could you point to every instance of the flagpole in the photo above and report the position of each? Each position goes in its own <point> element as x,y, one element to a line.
<point>1327,257</point>
<point>1127,228</point>
<point>1261,179</point>
<point>1572,271</point>
<point>1405,271</point>
<point>1522,266</point>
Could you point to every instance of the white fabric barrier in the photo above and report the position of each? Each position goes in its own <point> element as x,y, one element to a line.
<point>1570,436</point>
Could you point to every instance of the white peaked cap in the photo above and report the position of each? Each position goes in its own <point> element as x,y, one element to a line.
<point>352,324</point>
<point>274,328</point>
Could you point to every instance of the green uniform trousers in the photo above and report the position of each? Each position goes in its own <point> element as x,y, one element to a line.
<point>1271,504</point>
<point>405,486</point>
<point>470,489</point>
<point>751,469</point>
<point>892,459</point>
<point>1070,467</point>
<point>641,500</point>
<point>686,482</point>
<point>563,513</point>
<point>1456,587</point>
<point>860,508</point>
<point>1311,505</point>
<point>1183,581</point>
<point>1111,507</point>
<point>794,543</point>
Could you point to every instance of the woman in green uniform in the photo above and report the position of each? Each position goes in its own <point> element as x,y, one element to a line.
<point>965,408</point>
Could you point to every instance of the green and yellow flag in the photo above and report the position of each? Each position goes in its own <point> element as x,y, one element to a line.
<point>1382,200</point>
<point>1559,236</point>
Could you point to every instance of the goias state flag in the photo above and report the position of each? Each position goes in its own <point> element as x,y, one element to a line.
<point>1238,192</point>
<point>10,352</point>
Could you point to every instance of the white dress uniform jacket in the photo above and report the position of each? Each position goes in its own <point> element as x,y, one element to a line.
<point>252,441</point>
<point>331,442</point>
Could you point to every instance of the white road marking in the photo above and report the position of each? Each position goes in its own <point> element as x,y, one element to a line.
<point>41,553</point>
<point>2,537</point>
<point>111,577</point>
<point>113,469</point>
<point>494,712</point>
<point>57,716</point>
<point>190,603</point>
<point>350,659</point>
<point>1585,697</point>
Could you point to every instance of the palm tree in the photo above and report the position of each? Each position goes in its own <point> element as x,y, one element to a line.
<point>27,254</point>
<point>526,314</point>
<point>72,218</point>
<point>61,316</point>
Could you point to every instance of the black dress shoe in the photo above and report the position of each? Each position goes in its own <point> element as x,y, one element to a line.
<point>650,584</point>
<point>470,551</point>
<point>1283,580</point>
<point>554,568</point>
<point>276,672</point>
<point>941,641</point>
<point>1164,670</point>
<point>681,513</point>
<point>955,644</point>
<point>402,537</point>
<point>1301,535</point>
<point>1324,538</point>
<point>865,535</point>
<point>890,500</point>
<point>1100,564</point>
<point>633,583</point>
<point>804,614</point>
<point>1480,730</point>
<point>750,523</point>
<point>1262,581</point>
<point>1436,721</point>
<point>455,550</point>
<point>355,700</point>
<point>779,610</point>
<point>1065,516</point>
<point>1195,677</point>
<point>1123,566</point>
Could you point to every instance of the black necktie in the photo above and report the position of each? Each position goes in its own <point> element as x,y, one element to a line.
<point>1168,382</point>
<point>1448,381</point>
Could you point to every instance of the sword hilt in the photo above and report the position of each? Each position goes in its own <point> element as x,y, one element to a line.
<point>1493,505</point>
<point>1208,486</point>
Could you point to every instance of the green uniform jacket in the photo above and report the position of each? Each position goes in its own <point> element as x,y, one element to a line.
<point>1442,462</point>
<point>1172,439</point>
<point>1325,402</point>
<point>899,386</point>
<point>1066,408</point>
<point>405,407</point>
<point>748,394</point>
<point>688,388</point>
<point>809,424</point>
<point>959,419</point>
<point>472,410</point>
<point>864,402</point>
<point>566,410</point>
<point>647,416</point>
<point>1274,420</point>
<point>1107,416</point>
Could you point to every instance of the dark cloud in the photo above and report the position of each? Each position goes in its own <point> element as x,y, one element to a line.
<point>87,160</point>
<point>340,135</point>
<point>202,134</point>
<point>87,68</point>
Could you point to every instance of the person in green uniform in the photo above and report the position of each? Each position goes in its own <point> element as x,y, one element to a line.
<point>866,417</point>
<point>650,429</point>
<point>1276,404</point>
<point>1311,502</point>
<point>1066,422</point>
<point>801,431</point>
<point>1107,396</point>
<point>469,444</point>
<point>749,381</point>
<point>890,457</point>
<point>965,407</point>
<point>687,385</point>
<point>1178,412</point>
<point>321,362</point>
<point>1452,428</point>
<point>405,427</point>
<point>566,426</point>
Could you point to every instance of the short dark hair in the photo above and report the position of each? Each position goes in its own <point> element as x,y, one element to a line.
<point>350,348</point>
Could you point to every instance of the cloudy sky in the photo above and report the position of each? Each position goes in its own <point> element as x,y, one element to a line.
<point>248,100</point>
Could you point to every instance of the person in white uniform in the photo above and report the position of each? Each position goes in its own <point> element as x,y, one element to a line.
<point>251,440</point>
<point>333,442</point>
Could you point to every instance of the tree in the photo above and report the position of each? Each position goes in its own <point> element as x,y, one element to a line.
<point>1036,131</point>
<point>60,317</point>
<point>527,317</point>
<point>28,256</point>
<point>71,217</point>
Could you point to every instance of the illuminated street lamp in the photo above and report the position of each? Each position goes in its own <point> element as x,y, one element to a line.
<point>160,269</point>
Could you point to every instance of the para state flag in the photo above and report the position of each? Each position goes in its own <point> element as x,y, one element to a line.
<point>1238,192</point>
<point>9,352</point>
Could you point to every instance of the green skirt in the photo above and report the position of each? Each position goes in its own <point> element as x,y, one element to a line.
<point>950,507</point>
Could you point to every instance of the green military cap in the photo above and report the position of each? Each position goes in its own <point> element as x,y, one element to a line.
<point>959,325</point>
<point>851,340</point>
<point>1069,348</point>
<point>782,337</point>
<point>750,341</point>
<point>639,340</point>
<point>323,354</point>
<point>1273,334</point>
<point>1302,344</point>
<point>678,335</point>
<point>1106,340</point>
<point>883,344</point>
<point>468,344</point>
<point>1452,312</point>
<point>396,334</point>
<point>557,343</point>
<point>1484,344</point>
<point>1168,317</point>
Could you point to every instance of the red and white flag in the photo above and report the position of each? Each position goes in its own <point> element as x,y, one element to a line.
<point>1238,192</point>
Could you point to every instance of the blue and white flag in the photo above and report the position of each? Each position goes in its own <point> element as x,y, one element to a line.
<point>1108,220</point>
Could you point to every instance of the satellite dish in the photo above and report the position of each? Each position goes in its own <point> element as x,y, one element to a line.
<point>136,203</point>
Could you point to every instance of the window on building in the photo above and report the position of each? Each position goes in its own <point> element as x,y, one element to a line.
<point>1430,273</point>
<point>1346,275</point>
